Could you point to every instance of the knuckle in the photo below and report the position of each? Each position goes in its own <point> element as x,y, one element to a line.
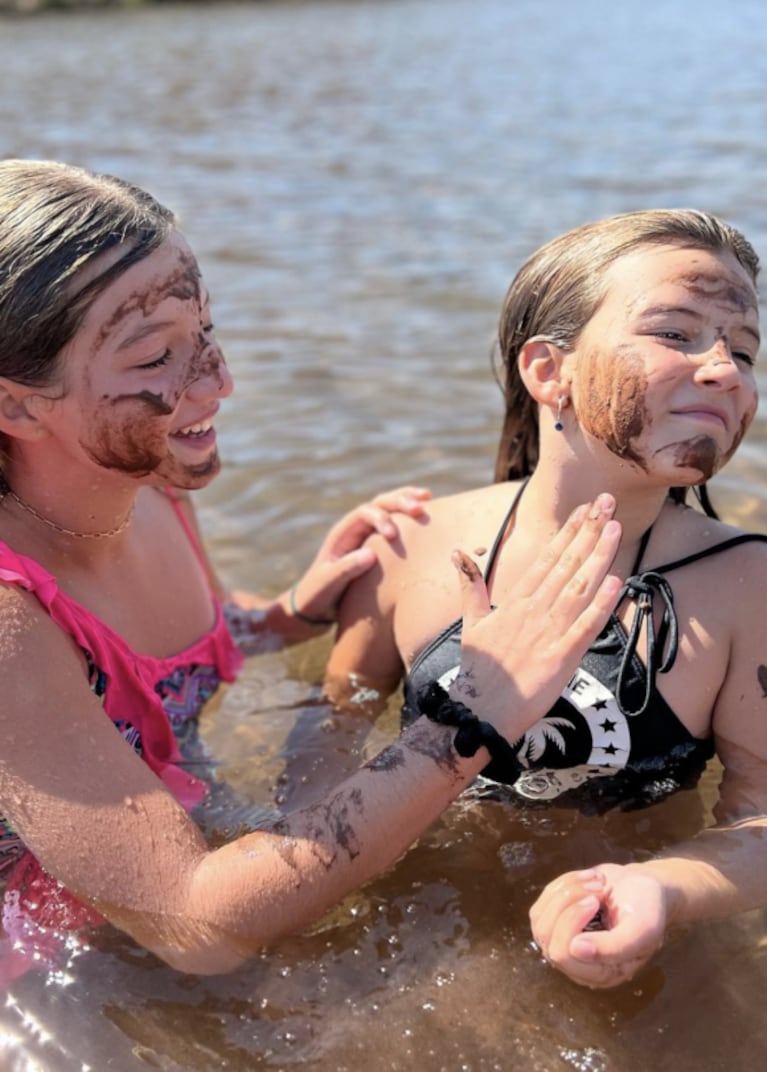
<point>569,561</point>
<point>578,586</point>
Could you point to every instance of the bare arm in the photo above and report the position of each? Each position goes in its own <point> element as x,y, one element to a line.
<point>98,820</point>
<point>365,658</point>
<point>717,873</point>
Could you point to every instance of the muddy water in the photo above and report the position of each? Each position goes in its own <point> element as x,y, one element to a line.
<point>360,180</point>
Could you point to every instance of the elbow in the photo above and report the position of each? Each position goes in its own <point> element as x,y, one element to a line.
<point>186,943</point>
<point>211,960</point>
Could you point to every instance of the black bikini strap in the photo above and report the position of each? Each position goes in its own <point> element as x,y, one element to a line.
<point>642,587</point>
<point>725,545</point>
<point>642,548</point>
<point>502,531</point>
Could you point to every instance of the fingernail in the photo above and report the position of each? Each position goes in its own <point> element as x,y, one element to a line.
<point>583,948</point>
<point>602,504</point>
<point>589,902</point>
<point>463,563</point>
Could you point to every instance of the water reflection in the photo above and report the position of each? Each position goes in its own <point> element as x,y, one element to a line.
<point>360,181</point>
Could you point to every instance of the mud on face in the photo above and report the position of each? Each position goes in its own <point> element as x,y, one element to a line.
<point>611,402</point>
<point>128,432</point>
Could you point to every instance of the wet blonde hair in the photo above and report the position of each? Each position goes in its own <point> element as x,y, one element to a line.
<point>560,287</point>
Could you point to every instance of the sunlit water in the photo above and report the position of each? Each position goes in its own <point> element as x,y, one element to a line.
<point>360,181</point>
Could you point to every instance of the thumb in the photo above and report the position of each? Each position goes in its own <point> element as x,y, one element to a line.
<point>324,583</point>
<point>475,602</point>
<point>353,564</point>
<point>612,946</point>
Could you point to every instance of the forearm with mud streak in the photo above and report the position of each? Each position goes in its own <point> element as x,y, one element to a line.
<point>245,895</point>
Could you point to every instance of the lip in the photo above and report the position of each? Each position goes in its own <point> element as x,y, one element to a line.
<point>706,414</point>
<point>209,415</point>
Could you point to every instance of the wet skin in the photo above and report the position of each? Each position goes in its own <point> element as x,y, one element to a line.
<point>143,367</point>
<point>662,374</point>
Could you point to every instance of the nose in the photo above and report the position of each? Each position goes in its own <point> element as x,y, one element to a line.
<point>213,378</point>
<point>717,366</point>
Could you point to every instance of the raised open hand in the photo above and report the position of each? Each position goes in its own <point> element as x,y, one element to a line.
<point>517,657</point>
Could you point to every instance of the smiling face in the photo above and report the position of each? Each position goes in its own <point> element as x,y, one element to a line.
<point>143,376</point>
<point>662,374</point>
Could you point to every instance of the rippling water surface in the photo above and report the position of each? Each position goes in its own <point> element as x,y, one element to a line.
<point>360,181</point>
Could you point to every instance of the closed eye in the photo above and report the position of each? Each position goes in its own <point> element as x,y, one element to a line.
<point>158,361</point>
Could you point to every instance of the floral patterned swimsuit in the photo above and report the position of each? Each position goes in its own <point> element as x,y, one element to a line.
<point>151,701</point>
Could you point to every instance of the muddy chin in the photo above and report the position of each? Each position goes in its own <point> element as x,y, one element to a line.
<point>700,453</point>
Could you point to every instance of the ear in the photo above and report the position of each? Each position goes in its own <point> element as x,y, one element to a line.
<point>19,410</point>
<point>541,368</point>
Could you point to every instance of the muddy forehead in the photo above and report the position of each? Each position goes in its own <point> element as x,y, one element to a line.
<point>722,288</point>
<point>183,283</point>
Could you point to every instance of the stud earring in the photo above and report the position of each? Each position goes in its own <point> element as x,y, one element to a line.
<point>559,427</point>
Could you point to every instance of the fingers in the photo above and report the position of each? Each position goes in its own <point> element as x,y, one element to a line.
<point>407,500</point>
<point>475,603</point>
<point>324,583</point>
<point>588,531</point>
<point>560,897</point>
<point>599,927</point>
<point>570,584</point>
<point>375,517</point>
<point>569,577</point>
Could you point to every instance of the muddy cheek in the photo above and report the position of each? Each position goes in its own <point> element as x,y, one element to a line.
<point>612,402</point>
<point>127,441</point>
<point>745,424</point>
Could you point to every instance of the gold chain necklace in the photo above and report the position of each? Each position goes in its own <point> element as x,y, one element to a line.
<point>69,532</point>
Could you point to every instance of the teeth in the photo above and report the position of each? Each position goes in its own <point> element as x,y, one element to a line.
<point>196,429</point>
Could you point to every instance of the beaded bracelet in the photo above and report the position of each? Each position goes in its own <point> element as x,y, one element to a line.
<point>305,617</point>
<point>472,733</point>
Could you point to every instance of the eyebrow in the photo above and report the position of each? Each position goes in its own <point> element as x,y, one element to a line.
<point>687,310</point>
<point>143,332</point>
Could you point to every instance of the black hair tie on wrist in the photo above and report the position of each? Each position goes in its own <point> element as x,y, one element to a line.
<point>472,733</point>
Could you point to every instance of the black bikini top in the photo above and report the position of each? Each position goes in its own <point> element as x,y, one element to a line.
<point>611,739</point>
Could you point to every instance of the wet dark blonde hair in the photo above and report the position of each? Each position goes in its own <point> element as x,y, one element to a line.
<point>560,287</point>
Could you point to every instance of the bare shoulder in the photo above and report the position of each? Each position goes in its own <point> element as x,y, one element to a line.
<point>413,582</point>
<point>686,532</point>
<point>463,519</point>
<point>719,577</point>
<point>20,613</point>
<point>33,649</point>
<point>468,520</point>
